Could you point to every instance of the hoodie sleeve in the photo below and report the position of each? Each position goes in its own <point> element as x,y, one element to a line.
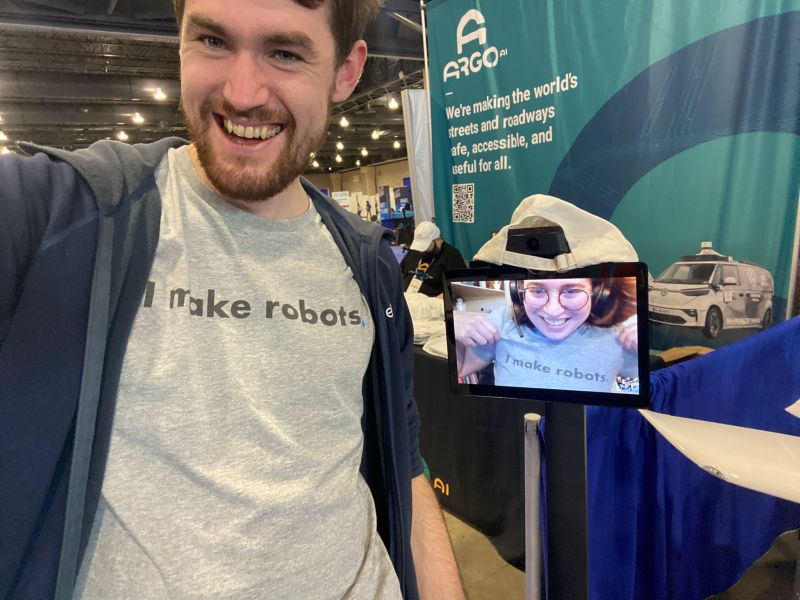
<point>39,199</point>
<point>405,331</point>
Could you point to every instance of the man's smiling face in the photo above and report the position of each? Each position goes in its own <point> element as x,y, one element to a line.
<point>257,81</point>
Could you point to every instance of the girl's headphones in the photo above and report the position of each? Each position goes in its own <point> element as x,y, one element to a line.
<point>601,295</point>
<point>515,287</point>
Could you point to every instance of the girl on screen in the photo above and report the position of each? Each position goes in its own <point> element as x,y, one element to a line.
<point>571,334</point>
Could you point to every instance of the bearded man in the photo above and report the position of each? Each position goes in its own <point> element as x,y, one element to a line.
<point>205,365</point>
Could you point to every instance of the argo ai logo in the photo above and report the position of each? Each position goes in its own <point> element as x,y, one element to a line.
<point>466,65</point>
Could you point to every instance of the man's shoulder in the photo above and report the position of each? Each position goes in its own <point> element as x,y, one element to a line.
<point>453,252</point>
<point>111,168</point>
<point>411,258</point>
<point>349,223</point>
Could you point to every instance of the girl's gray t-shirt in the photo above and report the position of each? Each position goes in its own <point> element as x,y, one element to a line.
<point>588,360</point>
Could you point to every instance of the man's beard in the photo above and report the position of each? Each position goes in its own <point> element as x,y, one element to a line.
<point>250,181</point>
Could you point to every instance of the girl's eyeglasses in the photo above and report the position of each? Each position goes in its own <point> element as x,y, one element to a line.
<point>569,298</point>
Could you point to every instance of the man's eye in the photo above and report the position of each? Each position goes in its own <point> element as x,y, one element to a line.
<point>212,42</point>
<point>285,56</point>
<point>536,291</point>
<point>572,291</point>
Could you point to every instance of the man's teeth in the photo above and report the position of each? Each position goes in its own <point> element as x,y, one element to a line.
<point>251,132</point>
<point>554,322</point>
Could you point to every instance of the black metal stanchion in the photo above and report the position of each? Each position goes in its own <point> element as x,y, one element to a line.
<point>567,540</point>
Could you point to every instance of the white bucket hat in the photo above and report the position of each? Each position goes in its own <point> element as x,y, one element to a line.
<point>592,240</point>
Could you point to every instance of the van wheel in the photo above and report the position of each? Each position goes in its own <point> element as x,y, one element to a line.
<point>766,320</point>
<point>713,323</point>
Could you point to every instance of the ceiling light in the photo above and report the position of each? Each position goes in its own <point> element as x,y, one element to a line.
<point>339,146</point>
<point>315,164</point>
<point>364,152</point>
<point>396,145</point>
<point>330,168</point>
<point>393,105</point>
<point>5,151</point>
<point>358,163</point>
<point>338,158</point>
<point>3,137</point>
<point>159,94</point>
<point>375,134</point>
<point>137,118</point>
<point>122,136</point>
<point>344,122</point>
<point>312,156</point>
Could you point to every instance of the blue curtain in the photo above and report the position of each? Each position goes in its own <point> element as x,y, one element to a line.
<point>659,526</point>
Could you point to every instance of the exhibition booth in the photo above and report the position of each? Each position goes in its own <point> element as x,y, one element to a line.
<point>677,127</point>
<point>608,387</point>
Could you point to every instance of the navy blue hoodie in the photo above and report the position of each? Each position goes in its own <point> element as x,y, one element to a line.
<point>78,233</point>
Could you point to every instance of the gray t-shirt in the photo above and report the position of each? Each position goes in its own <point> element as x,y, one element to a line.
<point>588,360</point>
<point>234,463</point>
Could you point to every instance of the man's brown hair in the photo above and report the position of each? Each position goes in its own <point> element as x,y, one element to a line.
<point>349,20</point>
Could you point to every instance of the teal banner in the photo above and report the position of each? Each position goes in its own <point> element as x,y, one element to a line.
<point>676,120</point>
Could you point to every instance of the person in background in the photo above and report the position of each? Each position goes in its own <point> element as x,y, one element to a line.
<point>205,364</point>
<point>428,258</point>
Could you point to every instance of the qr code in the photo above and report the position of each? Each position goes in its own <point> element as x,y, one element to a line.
<point>464,203</point>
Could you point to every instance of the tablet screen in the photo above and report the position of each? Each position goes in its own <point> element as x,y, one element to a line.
<point>578,336</point>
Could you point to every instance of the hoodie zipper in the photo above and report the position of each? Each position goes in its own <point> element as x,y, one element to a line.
<point>392,486</point>
<point>86,411</point>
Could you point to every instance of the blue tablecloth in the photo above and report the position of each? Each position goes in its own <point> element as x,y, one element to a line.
<point>661,528</point>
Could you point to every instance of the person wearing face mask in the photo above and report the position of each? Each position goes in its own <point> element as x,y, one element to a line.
<point>556,333</point>
<point>427,260</point>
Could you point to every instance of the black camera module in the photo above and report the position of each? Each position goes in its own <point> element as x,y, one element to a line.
<point>547,242</point>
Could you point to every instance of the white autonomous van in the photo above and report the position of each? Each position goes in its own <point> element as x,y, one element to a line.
<point>712,291</point>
